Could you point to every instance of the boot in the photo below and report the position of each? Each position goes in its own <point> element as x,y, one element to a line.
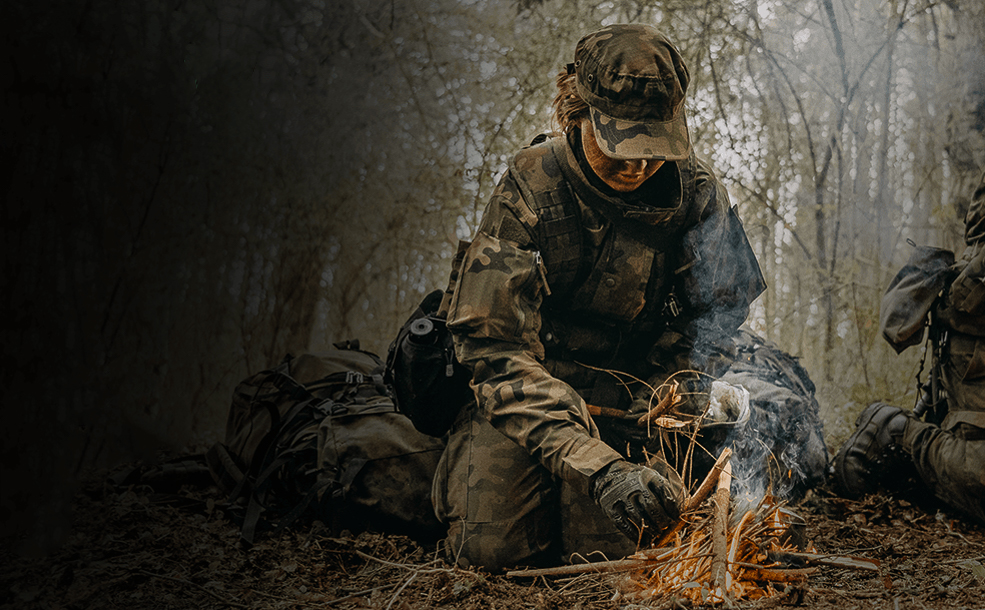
<point>873,457</point>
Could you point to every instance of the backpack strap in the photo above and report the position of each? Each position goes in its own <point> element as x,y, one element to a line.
<point>254,485</point>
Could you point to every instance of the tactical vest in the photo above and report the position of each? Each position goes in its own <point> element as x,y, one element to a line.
<point>595,306</point>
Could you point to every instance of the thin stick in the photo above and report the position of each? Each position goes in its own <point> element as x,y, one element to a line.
<point>704,490</point>
<point>761,574</point>
<point>734,547</point>
<point>356,594</point>
<point>402,587</point>
<point>597,411</point>
<point>616,565</point>
<point>625,565</point>
<point>413,568</point>
<point>837,561</point>
<point>670,398</point>
<point>719,530</point>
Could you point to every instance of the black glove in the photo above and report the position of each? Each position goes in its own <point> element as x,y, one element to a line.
<point>640,501</point>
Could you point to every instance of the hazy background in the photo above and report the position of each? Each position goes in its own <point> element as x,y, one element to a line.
<point>193,188</point>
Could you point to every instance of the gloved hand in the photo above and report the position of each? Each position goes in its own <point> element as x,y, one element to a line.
<point>640,501</point>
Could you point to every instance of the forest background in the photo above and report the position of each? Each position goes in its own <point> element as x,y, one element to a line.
<point>194,188</point>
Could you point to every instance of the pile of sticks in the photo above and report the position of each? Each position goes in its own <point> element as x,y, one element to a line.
<point>715,554</point>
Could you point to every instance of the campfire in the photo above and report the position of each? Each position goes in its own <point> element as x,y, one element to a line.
<point>717,555</point>
<point>720,551</point>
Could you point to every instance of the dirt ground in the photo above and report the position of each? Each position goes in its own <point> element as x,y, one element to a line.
<point>135,547</point>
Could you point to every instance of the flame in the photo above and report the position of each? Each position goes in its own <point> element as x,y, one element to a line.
<point>684,569</point>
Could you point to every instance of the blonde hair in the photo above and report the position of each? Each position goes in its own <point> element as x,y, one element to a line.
<point>569,108</point>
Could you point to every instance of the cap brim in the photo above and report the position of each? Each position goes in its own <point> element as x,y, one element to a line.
<point>619,139</point>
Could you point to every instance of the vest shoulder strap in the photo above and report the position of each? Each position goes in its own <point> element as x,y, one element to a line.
<point>556,219</point>
<point>552,213</point>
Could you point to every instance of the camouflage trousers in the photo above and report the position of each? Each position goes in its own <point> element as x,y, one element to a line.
<point>505,510</point>
<point>950,459</point>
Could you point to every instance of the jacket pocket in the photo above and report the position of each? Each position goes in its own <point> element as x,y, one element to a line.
<point>499,293</point>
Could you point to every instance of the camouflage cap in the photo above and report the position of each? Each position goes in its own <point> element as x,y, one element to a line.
<point>634,81</point>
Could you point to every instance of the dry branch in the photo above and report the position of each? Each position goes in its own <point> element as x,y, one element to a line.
<point>205,590</point>
<point>705,561</point>
<point>617,565</point>
<point>786,575</point>
<point>623,565</point>
<point>597,411</point>
<point>719,530</point>
<point>669,399</point>
<point>700,494</point>
<point>709,483</point>
<point>835,561</point>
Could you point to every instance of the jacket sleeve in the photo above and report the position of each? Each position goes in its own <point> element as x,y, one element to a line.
<point>965,303</point>
<point>495,319</point>
<point>717,278</point>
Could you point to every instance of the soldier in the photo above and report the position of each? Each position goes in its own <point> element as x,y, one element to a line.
<point>608,256</point>
<point>946,450</point>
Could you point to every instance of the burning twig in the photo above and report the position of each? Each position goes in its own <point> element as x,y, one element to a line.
<point>709,483</point>
<point>759,560</point>
<point>775,575</point>
<point>646,556</point>
<point>712,566</point>
<point>701,493</point>
<point>734,548</point>
<point>705,560</point>
<point>719,531</point>
<point>596,411</point>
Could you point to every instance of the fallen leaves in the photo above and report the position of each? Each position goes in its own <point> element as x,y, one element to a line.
<point>131,548</point>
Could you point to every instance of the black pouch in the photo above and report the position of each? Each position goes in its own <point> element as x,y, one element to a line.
<point>425,380</point>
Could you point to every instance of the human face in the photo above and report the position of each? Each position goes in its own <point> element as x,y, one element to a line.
<point>623,175</point>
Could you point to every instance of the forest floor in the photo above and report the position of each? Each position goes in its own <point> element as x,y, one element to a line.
<point>137,548</point>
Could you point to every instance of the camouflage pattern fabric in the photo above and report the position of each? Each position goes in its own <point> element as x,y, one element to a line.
<point>634,81</point>
<point>626,140</point>
<point>505,510</point>
<point>525,452</point>
<point>964,307</point>
<point>503,296</point>
<point>375,468</point>
<point>318,437</point>
<point>912,294</point>
<point>951,458</point>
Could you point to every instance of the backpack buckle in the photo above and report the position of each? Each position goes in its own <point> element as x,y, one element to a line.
<point>354,377</point>
<point>671,307</point>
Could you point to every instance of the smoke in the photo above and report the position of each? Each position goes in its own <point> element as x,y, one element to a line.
<point>780,450</point>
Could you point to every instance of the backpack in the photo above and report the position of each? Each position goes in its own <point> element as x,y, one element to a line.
<point>785,430</point>
<point>318,437</point>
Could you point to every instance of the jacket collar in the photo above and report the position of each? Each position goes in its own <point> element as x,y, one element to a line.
<point>661,197</point>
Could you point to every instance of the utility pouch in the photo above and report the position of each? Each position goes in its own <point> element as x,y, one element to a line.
<point>424,379</point>
<point>911,295</point>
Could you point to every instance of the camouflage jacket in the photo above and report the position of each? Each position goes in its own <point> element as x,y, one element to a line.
<point>662,282</point>
<point>934,271</point>
<point>964,306</point>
